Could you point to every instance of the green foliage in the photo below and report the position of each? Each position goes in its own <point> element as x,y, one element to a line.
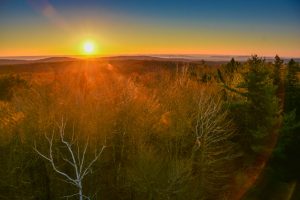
<point>255,112</point>
<point>169,134</point>
<point>292,88</point>
<point>232,66</point>
<point>285,162</point>
<point>285,159</point>
<point>276,73</point>
<point>282,174</point>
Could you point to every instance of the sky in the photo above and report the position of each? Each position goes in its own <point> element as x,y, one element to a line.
<point>219,27</point>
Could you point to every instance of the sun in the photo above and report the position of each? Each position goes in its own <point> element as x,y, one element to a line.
<point>88,47</point>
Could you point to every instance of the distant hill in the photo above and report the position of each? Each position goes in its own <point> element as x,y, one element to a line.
<point>50,59</point>
<point>13,62</point>
<point>57,59</point>
<point>209,59</point>
<point>10,62</point>
<point>124,65</point>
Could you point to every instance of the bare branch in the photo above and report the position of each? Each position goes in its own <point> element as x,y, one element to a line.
<point>92,162</point>
<point>76,159</point>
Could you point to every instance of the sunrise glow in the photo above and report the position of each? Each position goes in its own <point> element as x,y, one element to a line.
<point>89,47</point>
<point>55,28</point>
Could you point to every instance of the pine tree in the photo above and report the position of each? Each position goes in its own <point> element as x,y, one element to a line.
<point>255,111</point>
<point>292,87</point>
<point>276,73</point>
<point>286,155</point>
<point>232,66</point>
<point>261,104</point>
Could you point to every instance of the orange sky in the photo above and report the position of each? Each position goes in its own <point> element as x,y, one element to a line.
<point>47,30</point>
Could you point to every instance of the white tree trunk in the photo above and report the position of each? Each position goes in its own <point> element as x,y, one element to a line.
<point>75,158</point>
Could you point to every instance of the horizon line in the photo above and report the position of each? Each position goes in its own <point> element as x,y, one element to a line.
<point>37,57</point>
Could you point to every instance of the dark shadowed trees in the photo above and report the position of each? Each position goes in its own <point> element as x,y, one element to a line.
<point>278,63</point>
<point>254,112</point>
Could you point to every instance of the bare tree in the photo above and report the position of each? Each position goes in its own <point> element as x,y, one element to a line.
<point>213,151</point>
<point>76,157</point>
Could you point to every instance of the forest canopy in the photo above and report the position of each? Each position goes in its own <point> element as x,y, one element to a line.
<point>150,130</point>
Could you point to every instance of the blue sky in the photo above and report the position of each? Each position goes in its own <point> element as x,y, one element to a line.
<point>271,21</point>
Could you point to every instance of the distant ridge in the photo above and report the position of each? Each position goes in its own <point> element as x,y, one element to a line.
<point>57,59</point>
<point>156,57</point>
<point>43,60</point>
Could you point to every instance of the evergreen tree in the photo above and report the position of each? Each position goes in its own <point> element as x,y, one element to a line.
<point>261,104</point>
<point>286,156</point>
<point>255,112</point>
<point>292,87</point>
<point>276,73</point>
<point>232,66</point>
